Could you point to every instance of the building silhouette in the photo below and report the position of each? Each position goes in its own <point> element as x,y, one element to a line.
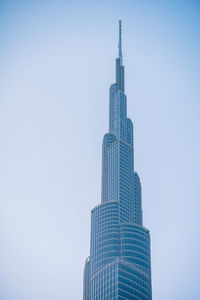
<point>119,265</point>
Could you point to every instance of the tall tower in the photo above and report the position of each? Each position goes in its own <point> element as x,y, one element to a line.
<point>119,265</point>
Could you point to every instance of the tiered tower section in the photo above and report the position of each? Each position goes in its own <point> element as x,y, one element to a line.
<point>119,264</point>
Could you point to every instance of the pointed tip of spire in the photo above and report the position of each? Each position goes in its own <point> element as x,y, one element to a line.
<point>120,41</point>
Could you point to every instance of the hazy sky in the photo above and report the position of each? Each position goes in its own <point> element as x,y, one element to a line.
<point>57,60</point>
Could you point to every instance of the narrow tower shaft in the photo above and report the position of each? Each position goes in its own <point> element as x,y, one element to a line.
<point>118,178</point>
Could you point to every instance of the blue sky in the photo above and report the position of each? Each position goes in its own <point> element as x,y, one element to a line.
<point>57,60</point>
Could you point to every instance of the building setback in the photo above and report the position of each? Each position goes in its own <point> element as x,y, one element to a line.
<point>119,265</point>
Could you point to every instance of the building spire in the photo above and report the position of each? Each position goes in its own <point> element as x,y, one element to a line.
<point>120,42</point>
<point>119,63</point>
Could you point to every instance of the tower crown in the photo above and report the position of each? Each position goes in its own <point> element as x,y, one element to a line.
<point>119,63</point>
<point>120,42</point>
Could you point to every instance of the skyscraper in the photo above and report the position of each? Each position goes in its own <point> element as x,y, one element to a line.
<point>119,265</point>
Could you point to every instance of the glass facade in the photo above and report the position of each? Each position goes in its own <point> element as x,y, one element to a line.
<point>119,265</point>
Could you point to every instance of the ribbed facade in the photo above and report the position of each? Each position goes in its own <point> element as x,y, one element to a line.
<point>119,265</point>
